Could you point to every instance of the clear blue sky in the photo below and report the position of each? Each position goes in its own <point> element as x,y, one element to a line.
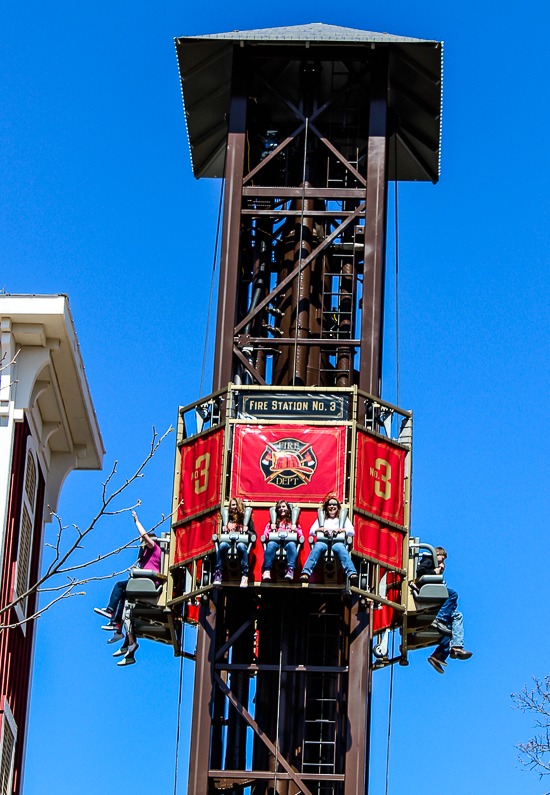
<point>97,200</point>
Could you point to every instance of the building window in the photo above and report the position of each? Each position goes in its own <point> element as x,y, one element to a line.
<point>30,480</point>
<point>8,739</point>
<point>28,509</point>
<point>23,555</point>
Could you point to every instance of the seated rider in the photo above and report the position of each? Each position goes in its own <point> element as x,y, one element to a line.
<point>331,507</point>
<point>449,621</point>
<point>283,522</point>
<point>234,525</point>
<point>149,558</point>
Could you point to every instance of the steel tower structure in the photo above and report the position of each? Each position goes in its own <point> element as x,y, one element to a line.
<point>306,125</point>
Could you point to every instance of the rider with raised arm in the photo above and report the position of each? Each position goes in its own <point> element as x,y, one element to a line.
<point>234,525</point>
<point>149,558</point>
<point>331,528</point>
<point>283,523</point>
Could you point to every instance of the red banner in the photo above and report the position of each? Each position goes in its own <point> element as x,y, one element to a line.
<point>288,461</point>
<point>379,478</point>
<point>377,541</point>
<point>195,538</point>
<point>201,471</point>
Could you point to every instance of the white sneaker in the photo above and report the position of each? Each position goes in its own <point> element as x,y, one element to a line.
<point>132,648</point>
<point>116,637</point>
<point>266,575</point>
<point>121,652</point>
<point>127,661</point>
<point>244,581</point>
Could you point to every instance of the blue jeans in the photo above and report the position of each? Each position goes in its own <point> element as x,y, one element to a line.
<point>242,550</point>
<point>116,602</point>
<point>340,551</point>
<point>448,607</point>
<point>272,547</point>
<point>456,639</point>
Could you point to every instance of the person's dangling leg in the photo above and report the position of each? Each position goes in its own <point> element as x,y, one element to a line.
<point>317,550</point>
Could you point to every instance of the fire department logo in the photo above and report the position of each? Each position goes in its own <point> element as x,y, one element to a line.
<point>288,463</point>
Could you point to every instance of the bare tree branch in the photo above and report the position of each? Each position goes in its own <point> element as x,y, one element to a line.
<point>63,552</point>
<point>534,754</point>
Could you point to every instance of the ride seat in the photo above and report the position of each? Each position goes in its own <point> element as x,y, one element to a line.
<point>142,585</point>
<point>431,589</point>
<point>282,536</point>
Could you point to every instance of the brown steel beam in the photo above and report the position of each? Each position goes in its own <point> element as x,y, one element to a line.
<point>268,774</point>
<point>309,214</point>
<point>229,262</point>
<point>337,154</point>
<point>372,316</point>
<point>296,669</point>
<point>250,367</point>
<point>202,700</point>
<point>309,193</point>
<point>273,154</point>
<point>263,737</point>
<point>237,634</point>
<point>290,341</point>
<point>358,684</point>
<point>292,275</point>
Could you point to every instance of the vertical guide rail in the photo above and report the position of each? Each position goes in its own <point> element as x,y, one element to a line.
<point>199,757</point>
<point>180,429</point>
<point>372,316</point>
<point>230,255</point>
<point>405,436</point>
<point>357,754</point>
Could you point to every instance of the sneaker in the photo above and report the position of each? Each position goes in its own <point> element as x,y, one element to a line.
<point>244,581</point>
<point>266,575</point>
<point>353,577</point>
<point>441,627</point>
<point>112,626</point>
<point>116,637</point>
<point>121,652</point>
<point>132,648</point>
<point>127,661</point>
<point>304,577</point>
<point>103,611</point>
<point>217,578</point>
<point>458,653</point>
<point>289,573</point>
<point>435,663</point>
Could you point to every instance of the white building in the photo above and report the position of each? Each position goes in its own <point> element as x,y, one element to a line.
<point>48,427</point>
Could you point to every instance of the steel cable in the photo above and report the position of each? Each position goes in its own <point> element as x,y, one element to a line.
<point>178,730</point>
<point>300,255</point>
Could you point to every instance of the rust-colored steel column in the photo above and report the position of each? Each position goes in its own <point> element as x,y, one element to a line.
<point>229,262</point>
<point>344,357</point>
<point>358,699</point>
<point>301,291</point>
<point>202,701</point>
<point>372,315</point>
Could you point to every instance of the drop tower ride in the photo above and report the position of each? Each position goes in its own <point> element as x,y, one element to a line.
<point>306,125</point>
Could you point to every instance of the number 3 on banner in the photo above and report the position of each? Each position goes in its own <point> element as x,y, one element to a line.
<point>386,476</point>
<point>201,473</point>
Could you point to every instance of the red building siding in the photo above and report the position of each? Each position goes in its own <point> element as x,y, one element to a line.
<point>16,645</point>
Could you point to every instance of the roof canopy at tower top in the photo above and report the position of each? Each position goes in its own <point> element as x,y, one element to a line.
<point>205,65</point>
